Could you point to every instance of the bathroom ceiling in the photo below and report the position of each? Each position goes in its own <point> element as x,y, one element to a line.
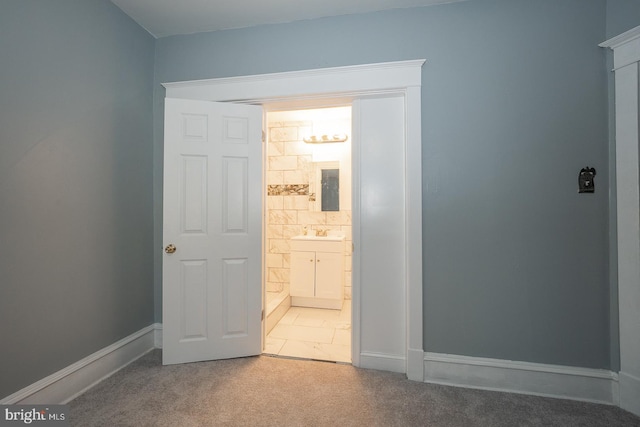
<point>170,17</point>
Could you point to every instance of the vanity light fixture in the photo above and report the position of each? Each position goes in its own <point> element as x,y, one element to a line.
<point>314,139</point>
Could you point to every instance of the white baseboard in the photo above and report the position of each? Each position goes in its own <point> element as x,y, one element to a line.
<point>566,382</point>
<point>68,383</point>
<point>629,393</point>
<point>382,362</point>
<point>592,385</point>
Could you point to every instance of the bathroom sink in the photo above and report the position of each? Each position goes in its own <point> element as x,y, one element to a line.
<point>331,238</point>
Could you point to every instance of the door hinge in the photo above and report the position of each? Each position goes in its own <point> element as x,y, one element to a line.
<point>262,315</point>
<point>264,137</point>
<point>353,248</point>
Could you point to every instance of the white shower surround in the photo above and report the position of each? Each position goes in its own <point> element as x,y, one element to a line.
<point>363,85</point>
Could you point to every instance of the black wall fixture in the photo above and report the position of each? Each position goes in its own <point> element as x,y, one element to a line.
<point>585,180</point>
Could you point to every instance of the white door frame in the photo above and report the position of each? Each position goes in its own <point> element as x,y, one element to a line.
<point>626,62</point>
<point>350,82</point>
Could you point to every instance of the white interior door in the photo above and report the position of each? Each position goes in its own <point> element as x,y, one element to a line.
<point>212,280</point>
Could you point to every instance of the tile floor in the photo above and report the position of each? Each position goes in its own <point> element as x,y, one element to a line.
<point>313,333</point>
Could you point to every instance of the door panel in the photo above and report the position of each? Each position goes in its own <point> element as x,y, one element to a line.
<point>212,214</point>
<point>235,201</point>
<point>234,289</point>
<point>193,297</point>
<point>193,206</point>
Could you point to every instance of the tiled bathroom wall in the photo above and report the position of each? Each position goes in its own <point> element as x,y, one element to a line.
<point>290,203</point>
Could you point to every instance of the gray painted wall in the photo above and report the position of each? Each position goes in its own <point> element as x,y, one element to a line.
<point>622,15</point>
<point>516,261</point>
<point>75,183</point>
<point>514,105</point>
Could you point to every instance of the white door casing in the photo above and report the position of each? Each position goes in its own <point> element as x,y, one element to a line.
<point>350,83</point>
<point>626,62</point>
<point>212,215</point>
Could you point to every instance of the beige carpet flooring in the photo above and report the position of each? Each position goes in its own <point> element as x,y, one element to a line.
<point>268,391</point>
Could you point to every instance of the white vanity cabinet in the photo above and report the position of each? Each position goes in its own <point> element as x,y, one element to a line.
<point>317,271</point>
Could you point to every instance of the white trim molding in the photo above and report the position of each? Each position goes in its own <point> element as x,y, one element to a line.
<point>413,233</point>
<point>626,47</point>
<point>70,382</point>
<point>566,382</point>
<point>626,60</point>
<point>291,85</point>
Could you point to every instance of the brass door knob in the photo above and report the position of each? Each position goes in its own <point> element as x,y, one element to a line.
<point>170,248</point>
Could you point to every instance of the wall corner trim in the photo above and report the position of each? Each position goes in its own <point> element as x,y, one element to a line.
<point>70,382</point>
<point>626,59</point>
<point>565,382</point>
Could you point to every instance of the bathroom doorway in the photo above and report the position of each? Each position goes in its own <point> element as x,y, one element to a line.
<point>387,321</point>
<point>308,233</point>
